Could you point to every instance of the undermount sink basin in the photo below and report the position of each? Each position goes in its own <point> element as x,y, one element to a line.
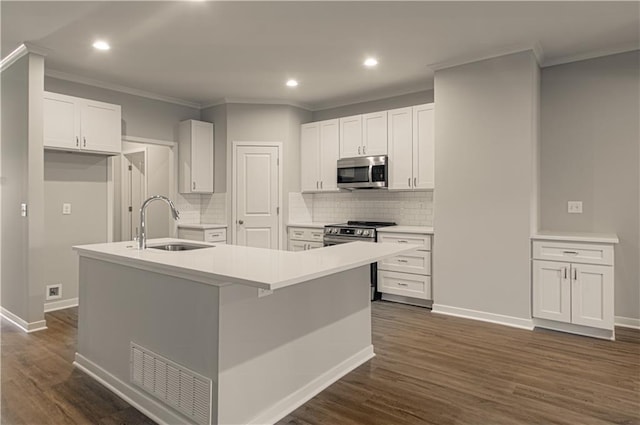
<point>179,246</point>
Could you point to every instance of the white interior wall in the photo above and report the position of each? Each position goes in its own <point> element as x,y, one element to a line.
<point>485,173</point>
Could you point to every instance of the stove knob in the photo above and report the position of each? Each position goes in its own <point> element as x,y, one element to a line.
<point>359,232</point>
<point>327,230</point>
<point>365,233</point>
<point>334,230</point>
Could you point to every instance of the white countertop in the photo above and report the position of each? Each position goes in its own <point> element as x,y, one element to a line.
<point>202,226</point>
<point>576,237</point>
<point>314,225</point>
<point>422,230</point>
<point>257,267</point>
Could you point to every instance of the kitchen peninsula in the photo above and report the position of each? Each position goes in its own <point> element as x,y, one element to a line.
<point>225,334</point>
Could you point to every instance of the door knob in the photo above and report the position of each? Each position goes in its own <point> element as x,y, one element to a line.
<point>240,221</point>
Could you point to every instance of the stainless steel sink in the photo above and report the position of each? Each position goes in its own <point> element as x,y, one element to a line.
<point>179,246</point>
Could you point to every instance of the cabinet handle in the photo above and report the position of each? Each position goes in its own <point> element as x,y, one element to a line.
<point>364,149</point>
<point>401,241</point>
<point>570,252</point>
<point>402,261</point>
<point>415,181</point>
<point>409,182</point>
<point>194,185</point>
<point>565,272</point>
<point>575,273</point>
<point>77,142</point>
<point>402,284</point>
<point>316,185</point>
<point>84,144</point>
<point>320,184</point>
<point>358,150</point>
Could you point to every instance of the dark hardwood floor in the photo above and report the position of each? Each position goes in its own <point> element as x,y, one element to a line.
<point>429,369</point>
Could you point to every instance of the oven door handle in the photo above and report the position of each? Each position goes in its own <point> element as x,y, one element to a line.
<point>333,240</point>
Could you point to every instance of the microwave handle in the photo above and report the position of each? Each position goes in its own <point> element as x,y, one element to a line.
<point>371,173</point>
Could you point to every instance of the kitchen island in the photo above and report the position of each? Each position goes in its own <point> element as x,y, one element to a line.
<point>225,334</point>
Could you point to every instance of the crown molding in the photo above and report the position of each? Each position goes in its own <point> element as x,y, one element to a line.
<point>592,55</point>
<point>122,89</point>
<point>255,101</point>
<point>536,48</point>
<point>21,51</point>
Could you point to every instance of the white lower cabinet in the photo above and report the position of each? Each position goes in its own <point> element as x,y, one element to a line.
<point>204,235</point>
<point>408,275</point>
<point>575,287</point>
<point>305,238</point>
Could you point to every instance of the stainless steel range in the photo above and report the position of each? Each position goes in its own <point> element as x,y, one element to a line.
<point>352,231</point>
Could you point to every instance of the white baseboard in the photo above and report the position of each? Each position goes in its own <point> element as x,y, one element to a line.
<point>60,305</point>
<point>627,322</point>
<point>515,322</point>
<point>145,404</point>
<point>290,403</point>
<point>21,323</point>
<point>575,329</point>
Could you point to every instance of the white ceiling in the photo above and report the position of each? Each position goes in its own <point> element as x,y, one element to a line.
<point>204,52</point>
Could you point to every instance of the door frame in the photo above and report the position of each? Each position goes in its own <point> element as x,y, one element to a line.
<point>124,189</point>
<point>234,187</point>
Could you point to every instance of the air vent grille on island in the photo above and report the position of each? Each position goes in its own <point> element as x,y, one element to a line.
<point>178,387</point>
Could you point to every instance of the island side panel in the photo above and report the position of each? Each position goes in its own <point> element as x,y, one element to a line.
<point>278,351</point>
<point>175,318</point>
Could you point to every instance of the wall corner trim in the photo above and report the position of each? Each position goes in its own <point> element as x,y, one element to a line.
<point>60,305</point>
<point>19,52</point>
<point>514,322</point>
<point>536,48</point>
<point>627,322</point>
<point>21,323</point>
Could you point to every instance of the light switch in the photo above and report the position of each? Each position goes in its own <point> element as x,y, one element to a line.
<point>66,209</point>
<point>574,207</point>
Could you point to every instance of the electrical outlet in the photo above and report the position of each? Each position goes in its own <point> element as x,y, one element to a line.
<point>66,209</point>
<point>54,292</point>
<point>574,207</point>
<point>264,292</point>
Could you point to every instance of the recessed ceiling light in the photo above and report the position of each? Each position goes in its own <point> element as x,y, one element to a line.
<point>101,45</point>
<point>370,62</point>
<point>292,83</point>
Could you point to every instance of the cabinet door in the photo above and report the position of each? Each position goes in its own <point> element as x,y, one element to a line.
<point>592,296</point>
<point>201,157</point>
<point>309,159</point>
<point>423,147</point>
<point>61,122</point>
<point>329,153</point>
<point>400,138</point>
<point>100,127</point>
<point>351,136</point>
<point>552,290</point>
<point>374,133</point>
<point>297,245</point>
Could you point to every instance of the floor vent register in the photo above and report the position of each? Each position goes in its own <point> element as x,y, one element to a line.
<point>176,386</point>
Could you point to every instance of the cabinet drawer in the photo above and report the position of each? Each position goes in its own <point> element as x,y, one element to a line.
<point>295,245</point>
<point>306,234</point>
<point>405,284</point>
<point>573,252</point>
<point>417,261</point>
<point>215,235</point>
<point>190,234</point>
<point>407,238</point>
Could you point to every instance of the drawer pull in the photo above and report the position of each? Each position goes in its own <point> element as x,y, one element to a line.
<point>422,250</point>
<point>402,284</point>
<point>402,261</point>
<point>403,241</point>
<point>570,252</point>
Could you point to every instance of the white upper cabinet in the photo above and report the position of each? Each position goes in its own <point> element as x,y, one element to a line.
<point>351,136</point>
<point>195,156</point>
<point>72,123</point>
<point>411,148</point>
<point>363,135</point>
<point>319,148</point>
<point>374,134</point>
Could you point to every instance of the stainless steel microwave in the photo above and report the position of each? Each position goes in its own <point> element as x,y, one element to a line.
<point>364,172</point>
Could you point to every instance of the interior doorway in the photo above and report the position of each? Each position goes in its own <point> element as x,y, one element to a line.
<point>134,190</point>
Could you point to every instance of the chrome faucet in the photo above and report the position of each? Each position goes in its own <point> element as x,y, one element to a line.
<point>142,237</point>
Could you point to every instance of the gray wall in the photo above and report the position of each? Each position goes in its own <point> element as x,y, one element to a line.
<point>141,117</point>
<point>79,179</point>
<point>21,155</point>
<point>402,101</point>
<point>218,116</point>
<point>485,174</point>
<point>590,152</point>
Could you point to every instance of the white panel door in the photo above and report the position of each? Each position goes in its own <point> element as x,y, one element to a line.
<point>61,122</point>
<point>552,290</point>
<point>202,156</point>
<point>374,133</point>
<point>351,136</point>
<point>423,147</point>
<point>400,138</point>
<point>309,157</point>
<point>257,196</point>
<point>592,296</point>
<point>329,153</point>
<point>101,127</point>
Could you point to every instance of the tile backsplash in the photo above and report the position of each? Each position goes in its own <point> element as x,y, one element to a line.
<point>406,208</point>
<point>196,208</point>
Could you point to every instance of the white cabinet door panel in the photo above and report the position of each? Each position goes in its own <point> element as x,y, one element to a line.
<point>202,157</point>
<point>400,139</point>
<point>61,122</point>
<point>101,127</point>
<point>552,290</point>
<point>309,157</point>
<point>351,136</point>
<point>374,134</point>
<point>592,296</point>
<point>329,153</point>
<point>423,147</point>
